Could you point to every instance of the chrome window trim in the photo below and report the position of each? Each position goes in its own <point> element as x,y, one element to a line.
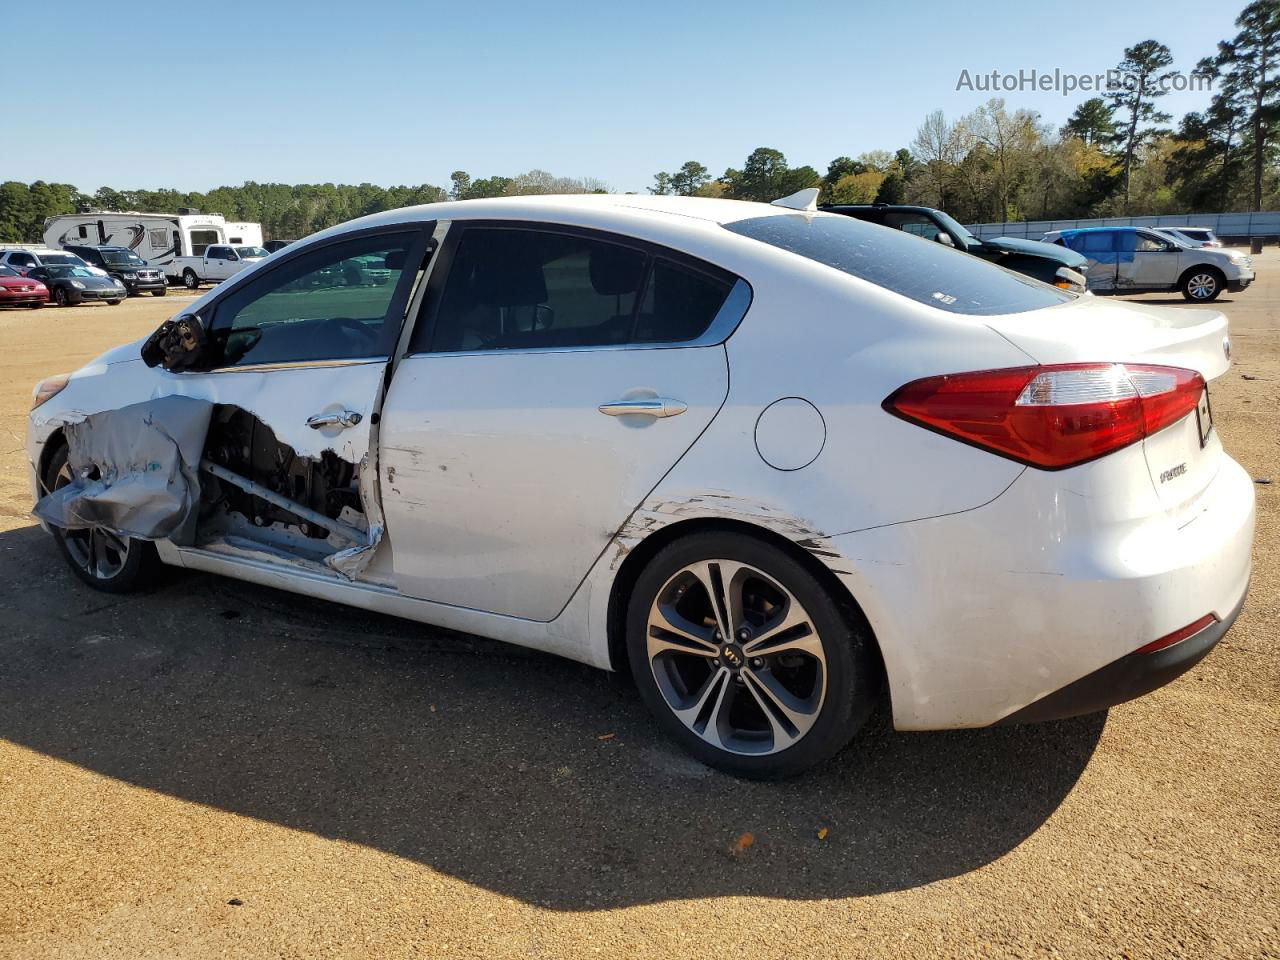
<point>731,313</point>
<point>289,365</point>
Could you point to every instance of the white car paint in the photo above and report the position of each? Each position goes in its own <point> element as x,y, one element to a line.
<point>511,503</point>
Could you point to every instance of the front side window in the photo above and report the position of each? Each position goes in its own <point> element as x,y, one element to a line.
<point>251,252</point>
<point>519,289</point>
<point>915,224</point>
<point>926,272</point>
<point>1147,243</point>
<point>309,308</point>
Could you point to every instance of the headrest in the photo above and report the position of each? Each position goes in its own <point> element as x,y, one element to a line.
<point>395,260</point>
<point>615,270</point>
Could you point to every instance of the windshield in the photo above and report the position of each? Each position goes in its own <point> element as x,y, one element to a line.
<point>59,271</point>
<point>123,257</point>
<point>8,271</point>
<point>71,258</point>
<point>250,252</point>
<point>925,271</point>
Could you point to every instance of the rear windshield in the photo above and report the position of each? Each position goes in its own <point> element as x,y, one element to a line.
<point>924,270</point>
<point>61,258</point>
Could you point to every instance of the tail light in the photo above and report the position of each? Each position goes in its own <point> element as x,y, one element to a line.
<point>1051,417</point>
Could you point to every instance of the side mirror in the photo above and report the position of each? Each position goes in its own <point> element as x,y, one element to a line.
<point>944,238</point>
<point>177,344</point>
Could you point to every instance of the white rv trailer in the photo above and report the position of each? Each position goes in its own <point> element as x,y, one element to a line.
<point>156,237</point>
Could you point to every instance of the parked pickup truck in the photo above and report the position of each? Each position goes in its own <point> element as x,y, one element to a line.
<point>218,263</point>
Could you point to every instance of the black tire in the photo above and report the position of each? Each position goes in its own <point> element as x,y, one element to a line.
<point>851,669</point>
<point>140,562</point>
<point>1202,284</point>
<point>160,293</point>
<point>127,291</point>
<point>113,303</point>
<point>190,280</point>
<point>60,297</point>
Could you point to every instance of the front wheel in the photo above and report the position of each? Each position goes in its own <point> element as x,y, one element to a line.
<point>160,293</point>
<point>102,559</point>
<point>190,280</point>
<point>60,297</point>
<point>1202,285</point>
<point>745,658</point>
<point>113,303</point>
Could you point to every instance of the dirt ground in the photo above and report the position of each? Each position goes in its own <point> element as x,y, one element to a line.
<point>215,769</point>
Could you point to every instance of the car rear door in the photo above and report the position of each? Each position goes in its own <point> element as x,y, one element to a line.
<point>1098,247</point>
<point>559,376</point>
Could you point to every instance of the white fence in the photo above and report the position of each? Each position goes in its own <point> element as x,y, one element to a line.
<point>1226,225</point>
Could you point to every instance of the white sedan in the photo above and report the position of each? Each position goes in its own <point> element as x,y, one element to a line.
<point>779,464</point>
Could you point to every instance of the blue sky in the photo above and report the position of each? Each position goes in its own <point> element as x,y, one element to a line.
<point>401,92</point>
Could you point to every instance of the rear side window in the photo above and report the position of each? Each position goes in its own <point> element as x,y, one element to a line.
<point>516,289</point>
<point>924,271</point>
<point>1101,242</point>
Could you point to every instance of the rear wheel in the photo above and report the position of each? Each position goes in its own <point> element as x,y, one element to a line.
<point>745,658</point>
<point>99,557</point>
<point>1202,284</point>
<point>190,280</point>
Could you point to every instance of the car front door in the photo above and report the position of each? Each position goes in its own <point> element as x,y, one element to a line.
<point>219,263</point>
<point>558,377</point>
<point>1147,261</point>
<point>305,354</point>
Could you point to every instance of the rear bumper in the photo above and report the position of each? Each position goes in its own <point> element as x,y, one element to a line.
<point>985,614</point>
<point>1128,678</point>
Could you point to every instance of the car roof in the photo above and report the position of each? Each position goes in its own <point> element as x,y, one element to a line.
<point>606,207</point>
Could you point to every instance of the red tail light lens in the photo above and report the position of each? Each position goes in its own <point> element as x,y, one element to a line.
<point>1190,630</point>
<point>1051,417</point>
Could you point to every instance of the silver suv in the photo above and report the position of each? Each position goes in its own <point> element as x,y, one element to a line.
<point>1137,260</point>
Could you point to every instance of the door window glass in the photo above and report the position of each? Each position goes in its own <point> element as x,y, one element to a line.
<point>1099,242</point>
<point>1149,244</point>
<point>512,289</point>
<point>915,224</point>
<point>324,305</point>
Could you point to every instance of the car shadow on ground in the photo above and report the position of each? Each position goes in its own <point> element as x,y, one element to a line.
<point>522,773</point>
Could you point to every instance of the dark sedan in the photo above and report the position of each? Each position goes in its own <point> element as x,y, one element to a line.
<point>72,285</point>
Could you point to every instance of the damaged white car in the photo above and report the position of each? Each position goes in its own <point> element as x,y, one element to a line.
<point>782,464</point>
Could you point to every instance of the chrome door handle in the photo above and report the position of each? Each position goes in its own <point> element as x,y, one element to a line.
<point>343,418</point>
<point>648,407</point>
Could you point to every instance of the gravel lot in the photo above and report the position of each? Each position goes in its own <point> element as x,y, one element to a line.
<point>215,769</point>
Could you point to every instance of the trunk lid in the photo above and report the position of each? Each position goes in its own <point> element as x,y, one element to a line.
<point>1184,457</point>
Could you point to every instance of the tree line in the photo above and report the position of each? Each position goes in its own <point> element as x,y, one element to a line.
<point>1114,156</point>
<point>285,211</point>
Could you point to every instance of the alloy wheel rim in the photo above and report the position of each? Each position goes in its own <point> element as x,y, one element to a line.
<point>1202,285</point>
<point>98,552</point>
<point>736,657</point>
